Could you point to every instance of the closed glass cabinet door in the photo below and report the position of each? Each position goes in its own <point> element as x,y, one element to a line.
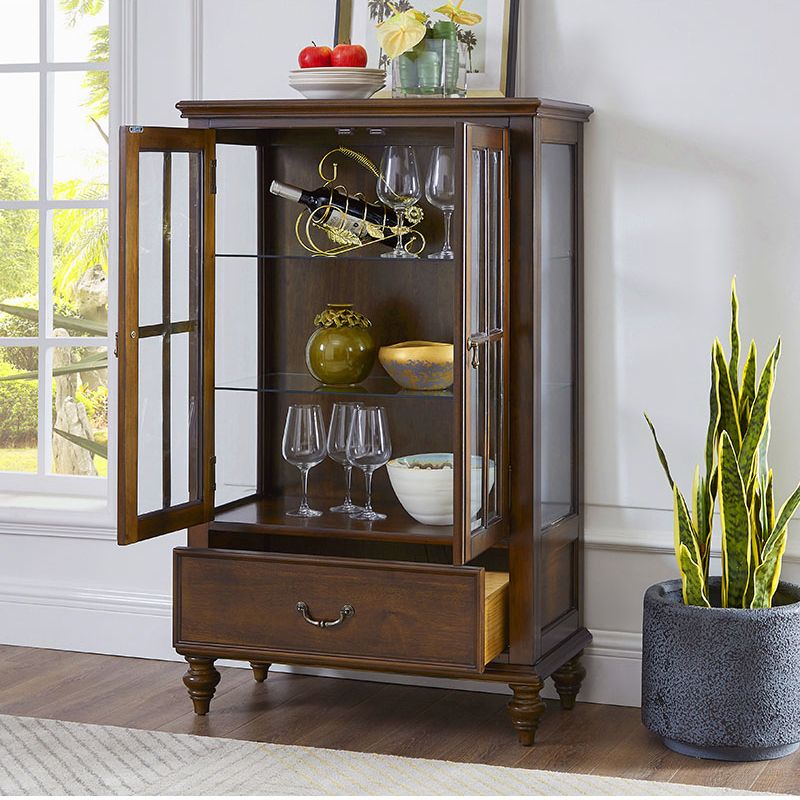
<point>485,352</point>
<point>165,336</point>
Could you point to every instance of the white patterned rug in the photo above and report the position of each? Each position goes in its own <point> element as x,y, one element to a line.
<point>47,757</point>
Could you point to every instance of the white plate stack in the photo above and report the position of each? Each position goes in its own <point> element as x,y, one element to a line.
<point>337,83</point>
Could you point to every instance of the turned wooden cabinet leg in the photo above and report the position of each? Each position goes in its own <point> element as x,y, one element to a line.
<point>260,670</point>
<point>201,680</point>
<point>568,679</point>
<point>526,709</point>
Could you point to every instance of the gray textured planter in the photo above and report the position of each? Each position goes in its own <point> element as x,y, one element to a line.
<point>722,683</point>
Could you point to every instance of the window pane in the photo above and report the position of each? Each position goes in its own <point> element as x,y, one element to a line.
<point>478,243</point>
<point>80,410</point>
<point>151,426</point>
<point>494,277</point>
<point>494,369</point>
<point>19,33</point>
<point>19,272</point>
<point>183,223</point>
<point>170,436</point>
<point>80,150</point>
<point>80,271</point>
<point>80,33</point>
<point>19,136</point>
<point>477,417</point>
<point>184,430</point>
<point>151,237</point>
<point>169,237</point>
<point>19,402</point>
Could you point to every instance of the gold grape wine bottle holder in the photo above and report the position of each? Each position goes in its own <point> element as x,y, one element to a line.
<point>344,230</point>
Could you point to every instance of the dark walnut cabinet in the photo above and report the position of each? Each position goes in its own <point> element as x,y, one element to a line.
<point>217,300</point>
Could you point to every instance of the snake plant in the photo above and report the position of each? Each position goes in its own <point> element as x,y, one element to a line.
<point>735,472</point>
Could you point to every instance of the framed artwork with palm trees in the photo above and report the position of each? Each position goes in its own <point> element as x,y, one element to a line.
<point>491,44</point>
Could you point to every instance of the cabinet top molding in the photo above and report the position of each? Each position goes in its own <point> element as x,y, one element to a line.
<point>459,108</point>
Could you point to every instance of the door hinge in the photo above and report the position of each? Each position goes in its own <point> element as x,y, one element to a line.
<point>213,473</point>
<point>116,344</point>
<point>213,176</point>
<point>135,128</point>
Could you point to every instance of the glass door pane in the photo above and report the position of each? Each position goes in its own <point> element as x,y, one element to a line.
<point>169,330</point>
<point>557,334</point>
<point>166,345</point>
<point>485,332</point>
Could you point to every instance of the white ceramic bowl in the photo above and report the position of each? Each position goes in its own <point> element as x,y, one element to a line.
<point>427,494</point>
<point>337,83</point>
<point>338,91</point>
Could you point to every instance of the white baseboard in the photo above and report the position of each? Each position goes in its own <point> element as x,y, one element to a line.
<point>140,625</point>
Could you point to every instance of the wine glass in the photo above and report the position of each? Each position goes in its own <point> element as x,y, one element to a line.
<point>369,448</point>
<point>398,187</point>
<point>440,189</point>
<point>304,446</point>
<point>341,420</point>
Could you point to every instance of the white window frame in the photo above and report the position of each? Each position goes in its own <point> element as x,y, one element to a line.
<point>40,494</point>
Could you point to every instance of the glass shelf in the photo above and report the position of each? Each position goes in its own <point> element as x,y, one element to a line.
<point>376,256</point>
<point>303,383</point>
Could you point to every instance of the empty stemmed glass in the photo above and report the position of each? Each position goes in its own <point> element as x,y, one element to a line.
<point>398,187</point>
<point>304,446</point>
<point>440,189</point>
<point>369,448</point>
<point>341,420</point>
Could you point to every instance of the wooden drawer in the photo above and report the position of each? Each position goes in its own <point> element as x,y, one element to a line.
<point>404,613</point>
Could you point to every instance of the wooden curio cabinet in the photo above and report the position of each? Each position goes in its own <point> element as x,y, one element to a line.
<point>217,302</point>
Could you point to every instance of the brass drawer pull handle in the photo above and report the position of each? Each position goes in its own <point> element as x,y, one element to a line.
<point>347,611</point>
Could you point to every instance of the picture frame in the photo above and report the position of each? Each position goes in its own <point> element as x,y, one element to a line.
<point>493,56</point>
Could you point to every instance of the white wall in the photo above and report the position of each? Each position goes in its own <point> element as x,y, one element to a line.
<point>691,176</point>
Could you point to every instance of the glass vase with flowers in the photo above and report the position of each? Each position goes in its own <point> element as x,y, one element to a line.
<point>428,57</point>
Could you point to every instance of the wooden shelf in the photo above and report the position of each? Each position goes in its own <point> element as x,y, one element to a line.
<point>268,515</point>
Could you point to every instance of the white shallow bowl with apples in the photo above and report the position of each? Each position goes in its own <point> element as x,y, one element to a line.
<point>337,83</point>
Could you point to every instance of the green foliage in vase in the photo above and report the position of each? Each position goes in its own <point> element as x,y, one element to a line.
<point>736,473</point>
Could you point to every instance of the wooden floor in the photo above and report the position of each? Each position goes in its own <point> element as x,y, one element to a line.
<point>354,715</point>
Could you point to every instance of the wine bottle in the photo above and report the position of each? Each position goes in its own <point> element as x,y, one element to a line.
<point>342,211</point>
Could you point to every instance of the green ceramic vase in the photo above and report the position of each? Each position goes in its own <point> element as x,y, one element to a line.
<point>341,351</point>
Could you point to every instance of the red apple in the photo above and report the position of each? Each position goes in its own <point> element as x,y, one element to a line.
<point>314,57</point>
<point>349,55</point>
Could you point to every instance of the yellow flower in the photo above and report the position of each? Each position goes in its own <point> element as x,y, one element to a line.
<point>401,32</point>
<point>457,15</point>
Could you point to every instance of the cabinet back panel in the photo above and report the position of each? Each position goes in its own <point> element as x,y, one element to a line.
<point>416,425</point>
<point>404,300</point>
<point>297,162</point>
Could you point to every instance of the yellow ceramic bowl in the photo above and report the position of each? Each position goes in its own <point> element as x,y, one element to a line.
<point>419,366</point>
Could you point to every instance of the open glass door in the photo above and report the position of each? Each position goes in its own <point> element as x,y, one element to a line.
<point>484,402</point>
<point>165,338</point>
